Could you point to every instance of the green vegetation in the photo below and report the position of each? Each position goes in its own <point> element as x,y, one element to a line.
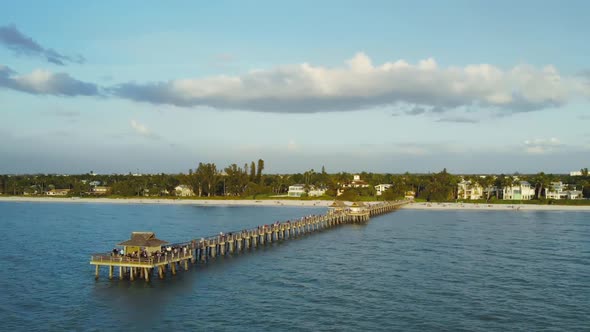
<point>207,181</point>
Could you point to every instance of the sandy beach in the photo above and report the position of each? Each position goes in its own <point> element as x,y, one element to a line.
<point>496,207</point>
<point>302,203</point>
<point>213,202</point>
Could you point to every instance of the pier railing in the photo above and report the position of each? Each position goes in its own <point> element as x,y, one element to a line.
<point>151,260</point>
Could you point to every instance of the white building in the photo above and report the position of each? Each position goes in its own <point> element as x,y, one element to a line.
<point>358,183</point>
<point>183,190</point>
<point>57,192</point>
<point>410,194</point>
<point>468,190</point>
<point>381,188</point>
<point>100,190</point>
<point>576,173</point>
<point>315,192</point>
<point>522,190</point>
<point>558,190</point>
<point>296,190</point>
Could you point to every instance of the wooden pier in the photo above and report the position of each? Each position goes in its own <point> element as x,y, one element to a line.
<point>145,255</point>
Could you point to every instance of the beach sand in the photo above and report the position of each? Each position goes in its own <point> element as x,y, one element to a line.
<point>503,207</point>
<point>214,202</point>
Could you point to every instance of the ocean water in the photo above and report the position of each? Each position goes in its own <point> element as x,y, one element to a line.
<point>410,270</point>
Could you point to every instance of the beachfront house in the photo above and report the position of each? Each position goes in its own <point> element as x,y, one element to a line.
<point>381,188</point>
<point>358,183</point>
<point>296,190</point>
<point>142,241</point>
<point>184,191</point>
<point>521,190</point>
<point>559,190</point>
<point>468,190</point>
<point>100,190</point>
<point>57,192</point>
<point>316,191</point>
<point>410,194</point>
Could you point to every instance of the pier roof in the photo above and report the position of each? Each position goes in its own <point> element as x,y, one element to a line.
<point>143,239</point>
<point>338,204</point>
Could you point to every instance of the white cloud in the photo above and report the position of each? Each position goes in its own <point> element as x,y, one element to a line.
<point>46,83</point>
<point>143,130</point>
<point>541,145</point>
<point>361,84</point>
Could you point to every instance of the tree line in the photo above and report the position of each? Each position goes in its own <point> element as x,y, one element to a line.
<point>207,180</point>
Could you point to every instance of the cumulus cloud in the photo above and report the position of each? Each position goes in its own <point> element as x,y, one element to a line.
<point>142,130</point>
<point>43,82</point>
<point>22,44</point>
<point>361,84</point>
<point>541,145</point>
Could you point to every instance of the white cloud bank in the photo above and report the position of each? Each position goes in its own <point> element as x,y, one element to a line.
<point>541,145</point>
<point>43,82</point>
<point>361,84</point>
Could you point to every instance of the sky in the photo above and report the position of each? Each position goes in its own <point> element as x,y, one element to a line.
<point>377,86</point>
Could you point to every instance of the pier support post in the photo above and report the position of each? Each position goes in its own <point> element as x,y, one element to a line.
<point>111,268</point>
<point>161,271</point>
<point>132,273</point>
<point>97,271</point>
<point>120,272</point>
<point>186,264</point>
<point>146,274</point>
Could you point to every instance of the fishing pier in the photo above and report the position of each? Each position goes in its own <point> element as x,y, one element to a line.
<point>144,255</point>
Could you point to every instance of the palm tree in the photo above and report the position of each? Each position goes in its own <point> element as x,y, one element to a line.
<point>541,182</point>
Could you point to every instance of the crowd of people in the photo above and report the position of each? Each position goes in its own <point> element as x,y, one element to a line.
<point>173,251</point>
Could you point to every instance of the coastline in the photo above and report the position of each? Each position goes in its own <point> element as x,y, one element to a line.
<point>296,203</point>
<point>166,201</point>
<point>495,207</point>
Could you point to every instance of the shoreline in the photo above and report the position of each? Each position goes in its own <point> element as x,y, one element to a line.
<point>494,207</point>
<point>296,203</point>
<point>167,201</point>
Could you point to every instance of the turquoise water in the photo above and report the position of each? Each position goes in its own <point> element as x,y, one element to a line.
<point>410,270</point>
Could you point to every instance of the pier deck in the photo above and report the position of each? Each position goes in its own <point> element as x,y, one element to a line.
<point>203,250</point>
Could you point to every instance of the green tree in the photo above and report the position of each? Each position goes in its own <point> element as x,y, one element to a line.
<point>252,172</point>
<point>259,171</point>
<point>199,178</point>
<point>541,182</point>
<point>487,183</point>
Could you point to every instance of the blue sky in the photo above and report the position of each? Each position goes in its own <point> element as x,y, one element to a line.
<point>387,86</point>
